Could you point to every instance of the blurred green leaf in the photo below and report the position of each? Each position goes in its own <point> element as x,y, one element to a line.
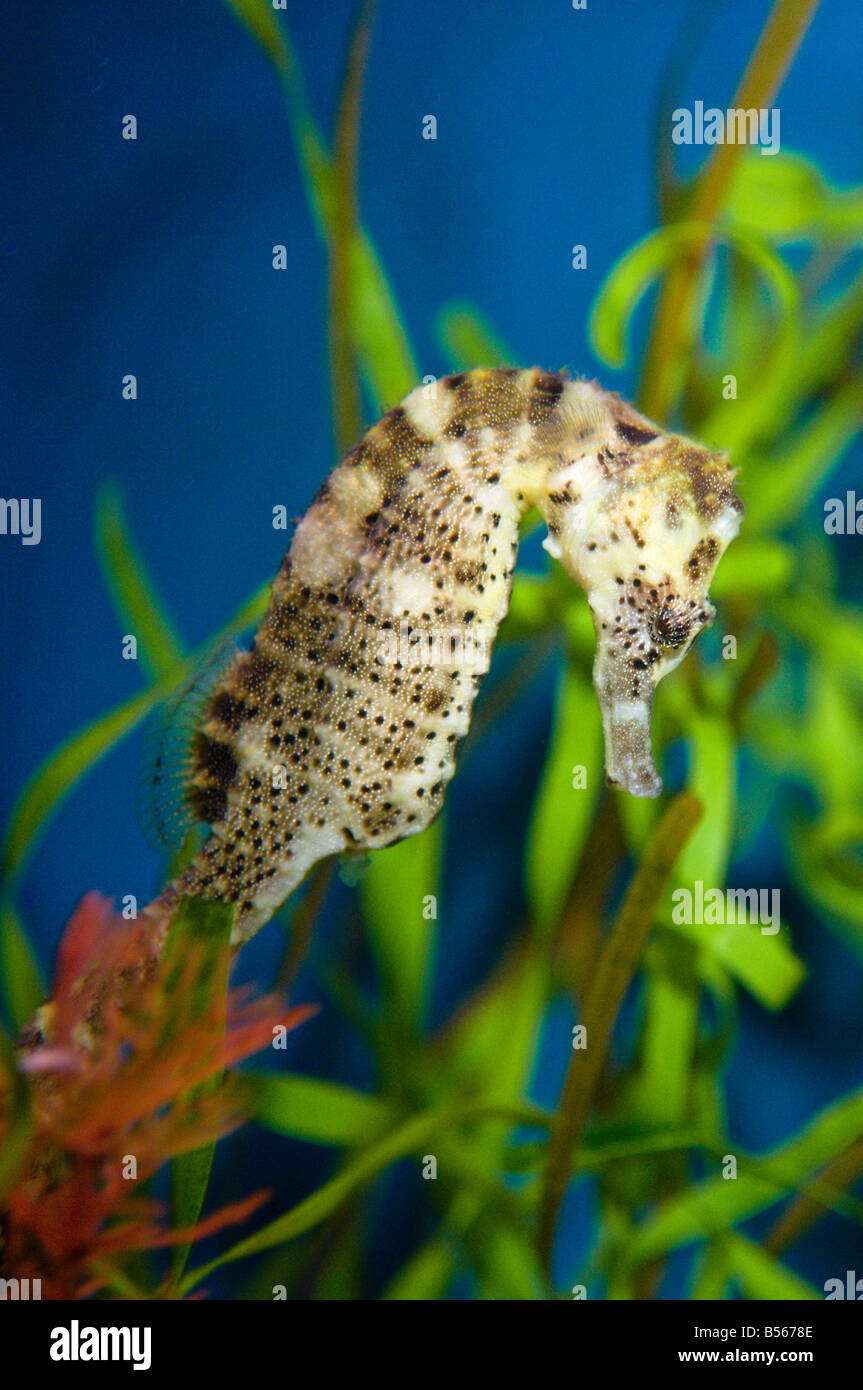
<point>778,487</point>
<point>346,396</point>
<point>490,1051</point>
<point>410,1137</point>
<point>23,986</point>
<point>533,607</point>
<point>425,1275</point>
<point>827,863</point>
<point>57,775</point>
<point>380,342</point>
<point>607,1143</point>
<point>712,778</point>
<point>136,601</point>
<point>493,1041</point>
<point>322,1112</point>
<point>505,1260</point>
<point>661,1089</point>
<point>718,1204</point>
<point>829,344</point>
<point>205,927</point>
<point>819,368</point>
<point>259,18</point>
<point>485,1228</point>
<point>18,1119</point>
<point>399,894</point>
<point>340,1276</point>
<point>563,807</point>
<point>761,1275</point>
<point>377,334</point>
<point>712,1271</point>
<point>639,267</point>
<point>834,632</point>
<point>786,198</point>
<point>469,340</point>
<point>200,930</point>
<point>189,1180</point>
<point>834,720</point>
<point>763,962</point>
<point>754,565</point>
<point>766,965</point>
<point>614,970</point>
<point>669,351</point>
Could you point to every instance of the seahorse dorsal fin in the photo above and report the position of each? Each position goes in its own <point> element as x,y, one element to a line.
<point>165,808</point>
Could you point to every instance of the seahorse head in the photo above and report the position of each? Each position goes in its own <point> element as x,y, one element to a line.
<point>645,554</point>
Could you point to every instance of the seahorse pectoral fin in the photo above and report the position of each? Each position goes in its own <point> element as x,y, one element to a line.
<point>626,704</point>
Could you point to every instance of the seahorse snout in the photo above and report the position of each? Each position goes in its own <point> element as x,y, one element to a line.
<point>626,704</point>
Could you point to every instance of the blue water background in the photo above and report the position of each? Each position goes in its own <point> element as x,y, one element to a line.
<point>154,258</point>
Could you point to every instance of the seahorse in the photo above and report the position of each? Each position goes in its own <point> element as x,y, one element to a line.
<point>338,731</point>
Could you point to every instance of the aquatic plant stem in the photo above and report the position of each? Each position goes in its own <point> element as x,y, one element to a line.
<point>377,335</point>
<point>759,670</point>
<point>344,374</point>
<point>577,944</point>
<point>779,41</point>
<point>806,1209</point>
<point>616,966</point>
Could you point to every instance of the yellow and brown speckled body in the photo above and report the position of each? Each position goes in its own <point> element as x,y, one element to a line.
<point>338,730</point>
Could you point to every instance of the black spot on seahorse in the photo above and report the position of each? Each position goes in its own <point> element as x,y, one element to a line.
<point>711,482</point>
<point>230,712</point>
<point>256,670</point>
<point>544,396</point>
<point>216,769</point>
<point>702,557</point>
<point>467,571</point>
<point>282,625</point>
<point>434,699</point>
<point>457,426</point>
<point>604,458</point>
<point>359,454</point>
<point>635,434</point>
<point>396,446</point>
<point>209,803</point>
<point>215,759</point>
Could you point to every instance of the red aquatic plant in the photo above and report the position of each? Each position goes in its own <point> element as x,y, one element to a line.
<point>130,1073</point>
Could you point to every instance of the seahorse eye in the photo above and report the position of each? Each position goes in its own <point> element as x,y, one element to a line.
<point>670,626</point>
